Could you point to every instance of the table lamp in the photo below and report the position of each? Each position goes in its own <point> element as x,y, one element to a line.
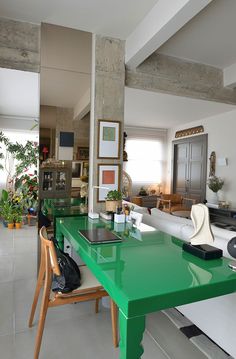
<point>92,214</point>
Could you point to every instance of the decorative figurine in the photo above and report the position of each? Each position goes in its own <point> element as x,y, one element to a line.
<point>212,164</point>
<point>202,229</point>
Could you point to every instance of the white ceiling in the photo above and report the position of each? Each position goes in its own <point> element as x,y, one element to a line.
<point>151,109</point>
<point>19,93</point>
<point>201,40</point>
<point>108,17</point>
<point>209,38</point>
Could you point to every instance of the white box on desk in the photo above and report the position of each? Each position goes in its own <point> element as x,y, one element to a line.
<point>119,218</point>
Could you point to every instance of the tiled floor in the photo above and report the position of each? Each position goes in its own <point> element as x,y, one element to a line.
<point>72,331</point>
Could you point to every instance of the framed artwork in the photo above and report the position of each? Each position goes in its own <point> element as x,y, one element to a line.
<point>108,139</point>
<point>83,153</point>
<point>109,178</point>
<point>77,167</point>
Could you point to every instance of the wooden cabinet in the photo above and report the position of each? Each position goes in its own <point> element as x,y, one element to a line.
<point>55,182</point>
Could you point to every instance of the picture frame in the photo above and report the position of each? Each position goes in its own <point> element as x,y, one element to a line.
<point>108,139</point>
<point>77,169</point>
<point>83,153</point>
<point>108,179</point>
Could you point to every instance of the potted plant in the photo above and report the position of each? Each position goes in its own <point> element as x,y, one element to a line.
<point>10,219</point>
<point>18,220</point>
<point>215,184</point>
<point>142,192</point>
<point>113,200</point>
<point>5,207</point>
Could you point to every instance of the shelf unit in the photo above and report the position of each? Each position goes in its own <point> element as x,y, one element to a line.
<point>223,218</point>
<point>55,182</point>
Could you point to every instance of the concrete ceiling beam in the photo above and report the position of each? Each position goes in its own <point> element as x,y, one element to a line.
<point>162,73</point>
<point>162,22</point>
<point>230,76</point>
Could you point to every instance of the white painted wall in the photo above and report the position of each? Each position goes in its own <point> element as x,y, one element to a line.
<point>221,130</point>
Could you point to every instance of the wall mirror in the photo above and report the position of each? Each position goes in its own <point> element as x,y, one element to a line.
<point>64,107</point>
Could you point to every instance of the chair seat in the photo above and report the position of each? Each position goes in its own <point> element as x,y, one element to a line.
<point>88,283</point>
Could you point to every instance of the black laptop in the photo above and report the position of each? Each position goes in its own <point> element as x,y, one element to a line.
<point>99,236</point>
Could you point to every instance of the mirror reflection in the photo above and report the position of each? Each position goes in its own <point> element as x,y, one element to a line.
<point>64,111</point>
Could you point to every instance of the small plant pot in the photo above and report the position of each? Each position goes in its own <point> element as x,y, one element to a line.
<point>18,225</point>
<point>112,205</point>
<point>10,225</point>
<point>5,223</point>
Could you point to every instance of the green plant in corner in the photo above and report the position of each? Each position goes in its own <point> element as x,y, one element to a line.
<point>26,155</point>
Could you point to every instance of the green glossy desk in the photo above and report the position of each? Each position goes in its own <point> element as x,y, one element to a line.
<point>50,204</point>
<point>146,272</point>
<point>68,207</point>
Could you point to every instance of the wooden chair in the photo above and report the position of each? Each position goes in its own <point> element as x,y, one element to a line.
<point>174,202</point>
<point>90,289</point>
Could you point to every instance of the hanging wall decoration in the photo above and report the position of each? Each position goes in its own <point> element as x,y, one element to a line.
<point>189,131</point>
<point>108,139</point>
<point>108,179</point>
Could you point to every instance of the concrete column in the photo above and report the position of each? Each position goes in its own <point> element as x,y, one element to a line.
<point>107,101</point>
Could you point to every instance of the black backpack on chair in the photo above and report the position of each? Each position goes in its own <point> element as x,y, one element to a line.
<point>70,277</point>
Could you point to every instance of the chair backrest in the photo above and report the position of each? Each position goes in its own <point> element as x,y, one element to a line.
<point>48,252</point>
<point>174,198</point>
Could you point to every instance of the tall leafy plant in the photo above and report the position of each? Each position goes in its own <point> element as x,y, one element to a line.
<point>27,155</point>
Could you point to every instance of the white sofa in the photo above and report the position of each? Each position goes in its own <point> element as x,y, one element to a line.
<point>215,317</point>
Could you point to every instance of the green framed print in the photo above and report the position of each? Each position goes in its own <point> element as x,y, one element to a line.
<point>108,139</point>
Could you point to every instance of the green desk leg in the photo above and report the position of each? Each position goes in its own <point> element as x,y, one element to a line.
<point>131,334</point>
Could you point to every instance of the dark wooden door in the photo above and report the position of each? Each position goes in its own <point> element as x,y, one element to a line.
<point>189,167</point>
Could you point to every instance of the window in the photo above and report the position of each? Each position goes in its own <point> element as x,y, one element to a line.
<point>145,160</point>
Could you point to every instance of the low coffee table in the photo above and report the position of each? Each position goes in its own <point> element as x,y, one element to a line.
<point>183,214</point>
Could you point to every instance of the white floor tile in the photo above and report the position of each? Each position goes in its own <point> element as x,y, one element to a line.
<point>6,269</point>
<point>6,246</point>
<point>25,266</point>
<point>26,232</point>
<point>73,330</point>
<point>175,344</point>
<point>6,308</point>
<point>25,245</point>
<point>7,345</point>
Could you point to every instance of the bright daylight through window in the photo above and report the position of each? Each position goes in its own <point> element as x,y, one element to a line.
<point>145,160</point>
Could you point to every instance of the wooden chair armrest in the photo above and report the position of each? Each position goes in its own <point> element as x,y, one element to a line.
<point>163,201</point>
<point>189,199</point>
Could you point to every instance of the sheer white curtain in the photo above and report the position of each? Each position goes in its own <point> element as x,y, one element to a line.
<point>146,156</point>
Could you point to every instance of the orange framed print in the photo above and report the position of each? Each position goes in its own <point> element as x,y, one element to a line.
<point>108,139</point>
<point>108,179</point>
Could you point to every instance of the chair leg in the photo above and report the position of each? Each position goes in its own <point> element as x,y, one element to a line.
<point>42,317</point>
<point>114,313</point>
<point>97,305</point>
<point>36,296</point>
